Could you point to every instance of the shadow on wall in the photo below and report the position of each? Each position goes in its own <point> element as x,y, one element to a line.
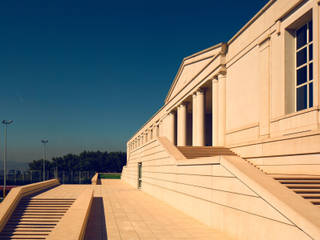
<point>96,228</point>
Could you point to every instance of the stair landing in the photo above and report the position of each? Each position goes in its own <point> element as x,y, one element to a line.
<point>191,152</point>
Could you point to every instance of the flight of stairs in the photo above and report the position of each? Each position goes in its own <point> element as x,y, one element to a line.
<point>35,218</point>
<point>307,186</point>
<point>206,151</point>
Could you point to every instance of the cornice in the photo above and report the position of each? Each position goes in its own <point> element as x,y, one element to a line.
<point>252,20</point>
<point>283,15</point>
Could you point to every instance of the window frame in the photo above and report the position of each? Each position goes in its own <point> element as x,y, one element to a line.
<point>307,64</point>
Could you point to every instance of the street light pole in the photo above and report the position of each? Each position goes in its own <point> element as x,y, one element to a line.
<point>6,123</point>
<point>44,159</point>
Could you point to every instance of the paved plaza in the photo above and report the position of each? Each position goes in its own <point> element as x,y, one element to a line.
<point>125,213</point>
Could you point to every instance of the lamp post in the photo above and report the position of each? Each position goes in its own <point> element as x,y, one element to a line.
<point>6,123</point>
<point>44,141</point>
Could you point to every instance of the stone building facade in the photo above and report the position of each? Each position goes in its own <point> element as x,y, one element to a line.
<point>257,95</point>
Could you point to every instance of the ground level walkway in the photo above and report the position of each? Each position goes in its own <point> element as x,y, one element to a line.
<point>121,212</point>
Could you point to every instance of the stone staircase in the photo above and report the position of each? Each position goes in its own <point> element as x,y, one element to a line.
<point>206,151</point>
<point>35,218</point>
<point>307,186</point>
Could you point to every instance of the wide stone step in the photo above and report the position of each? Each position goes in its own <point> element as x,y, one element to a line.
<point>30,225</point>
<point>27,230</point>
<point>41,211</point>
<point>288,182</point>
<point>22,237</point>
<point>303,186</point>
<point>31,221</point>
<point>27,218</point>
<point>37,214</point>
<point>310,195</point>
<point>25,233</point>
<point>294,176</point>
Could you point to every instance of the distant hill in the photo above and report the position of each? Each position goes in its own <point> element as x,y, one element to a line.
<point>14,165</point>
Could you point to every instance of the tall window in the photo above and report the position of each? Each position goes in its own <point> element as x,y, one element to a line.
<point>304,67</point>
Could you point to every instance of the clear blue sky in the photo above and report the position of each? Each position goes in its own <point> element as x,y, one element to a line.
<point>87,74</point>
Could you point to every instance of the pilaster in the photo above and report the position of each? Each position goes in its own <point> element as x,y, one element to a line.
<point>221,108</point>
<point>194,119</point>
<point>215,111</point>
<point>200,118</point>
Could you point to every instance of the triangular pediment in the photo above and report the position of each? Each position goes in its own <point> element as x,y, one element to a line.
<point>191,67</point>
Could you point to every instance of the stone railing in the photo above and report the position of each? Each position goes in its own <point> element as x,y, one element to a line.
<point>95,179</point>
<point>75,221</point>
<point>12,199</point>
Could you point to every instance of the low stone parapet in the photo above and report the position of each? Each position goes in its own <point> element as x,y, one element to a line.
<point>95,179</point>
<point>73,225</point>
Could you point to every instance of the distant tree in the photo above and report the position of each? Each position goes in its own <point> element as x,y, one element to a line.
<point>85,161</point>
<point>38,165</point>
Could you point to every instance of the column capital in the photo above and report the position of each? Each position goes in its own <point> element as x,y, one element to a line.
<point>201,91</point>
<point>224,49</point>
<point>183,104</point>
<point>222,70</point>
<point>215,79</point>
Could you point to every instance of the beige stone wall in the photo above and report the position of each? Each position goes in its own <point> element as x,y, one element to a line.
<point>210,192</point>
<point>256,73</point>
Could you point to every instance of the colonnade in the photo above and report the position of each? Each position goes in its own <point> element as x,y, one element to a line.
<point>199,125</point>
<point>149,134</point>
<point>177,128</point>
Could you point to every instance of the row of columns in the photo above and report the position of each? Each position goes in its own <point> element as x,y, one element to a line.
<point>199,116</point>
<point>144,137</point>
<point>198,119</point>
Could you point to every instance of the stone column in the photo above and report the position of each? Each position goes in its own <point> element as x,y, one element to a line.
<point>194,119</point>
<point>215,100</point>
<point>157,130</point>
<point>222,109</point>
<point>146,136</point>
<point>160,128</point>
<point>200,115</point>
<point>182,125</point>
<point>171,127</point>
<point>151,133</point>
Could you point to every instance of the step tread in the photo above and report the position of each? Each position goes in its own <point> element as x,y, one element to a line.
<point>294,176</point>
<point>303,186</point>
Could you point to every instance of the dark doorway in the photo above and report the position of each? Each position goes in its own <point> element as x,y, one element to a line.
<point>139,175</point>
